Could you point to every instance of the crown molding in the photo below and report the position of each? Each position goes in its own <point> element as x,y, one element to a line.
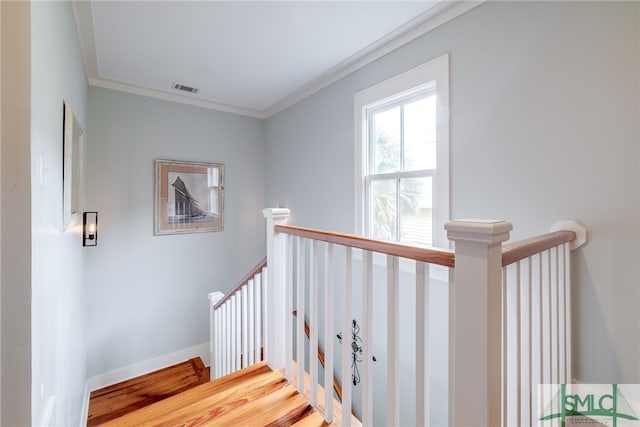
<point>422,24</point>
<point>440,14</point>
<point>83,15</point>
<point>166,96</point>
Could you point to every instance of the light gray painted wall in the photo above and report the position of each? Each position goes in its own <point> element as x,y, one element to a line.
<point>57,300</point>
<point>544,126</point>
<point>16,214</point>
<point>146,294</point>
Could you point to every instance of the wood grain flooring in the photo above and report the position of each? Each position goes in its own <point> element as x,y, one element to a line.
<point>122,398</point>
<point>254,396</point>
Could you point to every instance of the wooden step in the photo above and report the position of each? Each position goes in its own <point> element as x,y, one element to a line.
<point>119,399</point>
<point>313,420</point>
<point>254,396</point>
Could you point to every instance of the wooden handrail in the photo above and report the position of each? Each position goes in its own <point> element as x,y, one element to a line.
<point>433,256</point>
<point>242,282</point>
<point>522,249</point>
<point>336,384</point>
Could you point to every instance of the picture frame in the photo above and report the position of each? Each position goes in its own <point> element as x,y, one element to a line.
<point>189,197</point>
<point>72,165</point>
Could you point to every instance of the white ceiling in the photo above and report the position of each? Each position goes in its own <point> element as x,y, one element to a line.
<point>253,58</point>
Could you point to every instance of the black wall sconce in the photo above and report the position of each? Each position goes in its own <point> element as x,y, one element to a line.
<point>356,351</point>
<point>90,229</point>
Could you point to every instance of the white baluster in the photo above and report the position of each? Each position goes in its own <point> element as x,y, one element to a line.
<point>245,326</point>
<point>239,331</point>
<point>505,349</point>
<point>562,374</point>
<point>422,338</point>
<point>233,333</point>
<point>251,308</point>
<point>259,314</point>
<point>345,348</point>
<point>393,340</point>
<point>530,390</point>
<point>219,343</point>
<point>226,308</point>
<point>567,313</point>
<point>537,338</point>
<point>313,322</point>
<point>367,337</point>
<point>518,346</point>
<point>554,317</point>
<point>300,336</point>
<point>328,333</point>
<point>288,332</point>
<point>546,319</point>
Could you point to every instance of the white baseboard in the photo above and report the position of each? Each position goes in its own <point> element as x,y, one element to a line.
<point>146,366</point>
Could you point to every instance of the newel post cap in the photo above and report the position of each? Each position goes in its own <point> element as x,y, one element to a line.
<point>215,297</point>
<point>489,232</point>
<point>276,213</point>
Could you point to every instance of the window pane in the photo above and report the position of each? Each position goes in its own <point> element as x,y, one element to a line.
<point>420,134</point>
<point>383,209</point>
<point>386,141</point>
<point>416,207</point>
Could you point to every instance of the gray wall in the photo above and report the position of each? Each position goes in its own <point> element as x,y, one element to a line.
<point>57,300</point>
<point>544,126</point>
<point>146,294</point>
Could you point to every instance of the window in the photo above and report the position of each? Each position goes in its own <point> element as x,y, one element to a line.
<point>402,156</point>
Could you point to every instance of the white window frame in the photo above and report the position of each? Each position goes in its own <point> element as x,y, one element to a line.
<point>433,73</point>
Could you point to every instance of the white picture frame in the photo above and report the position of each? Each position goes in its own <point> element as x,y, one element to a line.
<point>72,165</point>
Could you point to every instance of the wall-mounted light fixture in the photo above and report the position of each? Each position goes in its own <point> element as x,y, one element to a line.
<point>90,229</point>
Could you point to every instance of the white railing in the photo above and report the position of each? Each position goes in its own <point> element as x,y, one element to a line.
<point>508,321</point>
<point>536,319</point>
<point>237,324</point>
<point>345,268</point>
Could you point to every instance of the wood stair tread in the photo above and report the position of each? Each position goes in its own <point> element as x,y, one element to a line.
<point>208,400</point>
<point>254,396</point>
<point>127,396</point>
<point>313,420</point>
<point>282,407</point>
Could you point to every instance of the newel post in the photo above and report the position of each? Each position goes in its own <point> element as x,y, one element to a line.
<point>275,308</point>
<point>475,322</point>
<point>214,298</point>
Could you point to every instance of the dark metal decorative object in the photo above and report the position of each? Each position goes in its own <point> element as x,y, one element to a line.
<point>356,351</point>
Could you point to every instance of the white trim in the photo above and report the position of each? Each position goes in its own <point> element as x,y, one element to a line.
<point>173,97</point>
<point>150,365</point>
<point>431,19</point>
<point>84,415</point>
<point>83,15</point>
<point>440,14</point>
<point>396,87</point>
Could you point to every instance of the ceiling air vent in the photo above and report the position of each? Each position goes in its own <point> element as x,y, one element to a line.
<point>185,88</point>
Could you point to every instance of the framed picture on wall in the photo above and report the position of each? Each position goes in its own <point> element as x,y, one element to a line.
<point>72,174</point>
<point>189,197</point>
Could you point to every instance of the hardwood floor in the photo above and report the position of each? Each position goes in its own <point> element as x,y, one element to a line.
<point>254,396</point>
<point>119,399</point>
